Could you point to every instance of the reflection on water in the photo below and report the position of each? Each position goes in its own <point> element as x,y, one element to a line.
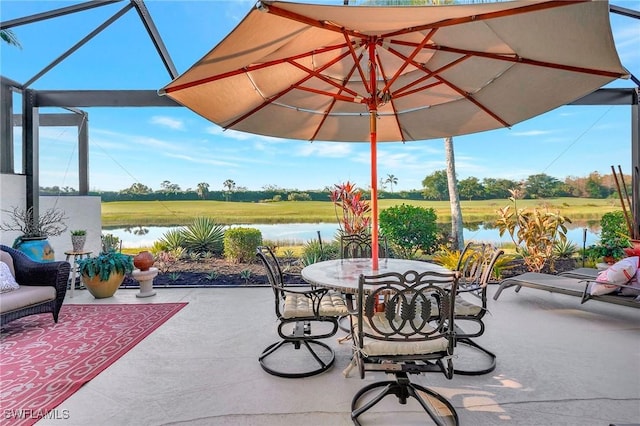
<point>299,233</point>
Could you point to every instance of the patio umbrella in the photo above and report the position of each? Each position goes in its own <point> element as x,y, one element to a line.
<point>377,74</point>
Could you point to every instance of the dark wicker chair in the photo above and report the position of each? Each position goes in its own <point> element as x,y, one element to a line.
<point>475,265</point>
<point>31,273</point>
<point>411,333</point>
<point>297,310</point>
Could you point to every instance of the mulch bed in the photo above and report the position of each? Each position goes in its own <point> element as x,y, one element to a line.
<point>214,272</point>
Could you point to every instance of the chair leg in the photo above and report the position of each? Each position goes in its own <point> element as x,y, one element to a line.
<point>476,372</point>
<point>402,388</point>
<point>313,346</point>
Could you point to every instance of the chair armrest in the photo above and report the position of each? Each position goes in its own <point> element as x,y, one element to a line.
<point>32,273</point>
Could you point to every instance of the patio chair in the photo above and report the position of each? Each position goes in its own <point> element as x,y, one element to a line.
<point>359,245</point>
<point>475,265</point>
<point>40,287</point>
<point>297,310</point>
<point>353,246</point>
<point>412,333</point>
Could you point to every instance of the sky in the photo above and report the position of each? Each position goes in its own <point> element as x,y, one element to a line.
<point>152,145</point>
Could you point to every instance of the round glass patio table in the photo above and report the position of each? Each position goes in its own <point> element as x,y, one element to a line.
<point>343,274</point>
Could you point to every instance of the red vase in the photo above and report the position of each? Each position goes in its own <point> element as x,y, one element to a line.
<point>143,260</point>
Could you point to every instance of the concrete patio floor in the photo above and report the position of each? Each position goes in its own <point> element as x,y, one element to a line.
<point>559,363</point>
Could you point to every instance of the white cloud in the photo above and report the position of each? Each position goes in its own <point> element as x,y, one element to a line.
<point>241,136</point>
<point>169,122</point>
<point>202,160</point>
<point>324,149</point>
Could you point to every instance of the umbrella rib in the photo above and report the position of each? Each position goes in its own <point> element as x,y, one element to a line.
<point>326,25</point>
<point>486,16</point>
<point>356,61</point>
<point>393,105</point>
<point>296,85</point>
<point>465,94</point>
<point>409,59</point>
<point>265,103</point>
<point>403,90</point>
<point>513,57</point>
<point>250,68</point>
<point>322,77</point>
<point>334,100</point>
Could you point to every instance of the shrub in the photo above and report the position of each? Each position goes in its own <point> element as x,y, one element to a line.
<point>240,244</point>
<point>299,196</point>
<point>409,229</point>
<point>565,249</point>
<point>535,233</point>
<point>614,236</point>
<point>109,243</point>
<point>313,252</point>
<point>170,240</point>
<point>204,235</point>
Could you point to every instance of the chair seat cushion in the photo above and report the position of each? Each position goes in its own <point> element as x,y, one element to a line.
<point>465,308</point>
<point>374,347</point>
<point>300,306</point>
<point>26,296</point>
<point>462,308</point>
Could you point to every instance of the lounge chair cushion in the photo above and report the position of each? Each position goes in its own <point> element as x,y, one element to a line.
<point>300,306</point>
<point>609,280</point>
<point>635,283</point>
<point>7,280</point>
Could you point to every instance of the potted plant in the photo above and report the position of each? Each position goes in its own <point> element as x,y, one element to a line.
<point>78,238</point>
<point>103,274</point>
<point>33,241</point>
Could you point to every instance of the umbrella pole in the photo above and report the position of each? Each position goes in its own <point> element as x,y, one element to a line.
<point>374,189</point>
<point>373,137</point>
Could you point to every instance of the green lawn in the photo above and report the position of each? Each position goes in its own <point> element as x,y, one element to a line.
<point>171,213</point>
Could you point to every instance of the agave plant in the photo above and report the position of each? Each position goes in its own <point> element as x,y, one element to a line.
<point>204,235</point>
<point>171,240</point>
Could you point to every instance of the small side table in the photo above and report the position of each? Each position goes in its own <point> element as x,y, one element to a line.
<point>72,257</point>
<point>145,278</point>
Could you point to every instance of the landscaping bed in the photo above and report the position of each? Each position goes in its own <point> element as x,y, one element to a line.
<point>213,272</point>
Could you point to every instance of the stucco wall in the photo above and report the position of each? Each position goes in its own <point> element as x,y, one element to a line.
<point>82,212</point>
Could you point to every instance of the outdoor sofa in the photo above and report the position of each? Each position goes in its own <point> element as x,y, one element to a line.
<point>41,286</point>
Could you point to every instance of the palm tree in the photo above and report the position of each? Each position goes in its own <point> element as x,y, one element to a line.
<point>230,185</point>
<point>391,180</point>
<point>454,198</point>
<point>9,37</point>
<point>203,190</point>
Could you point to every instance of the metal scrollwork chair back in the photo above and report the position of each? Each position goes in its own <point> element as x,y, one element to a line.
<point>412,332</point>
<point>359,246</point>
<point>476,264</point>
<point>296,310</point>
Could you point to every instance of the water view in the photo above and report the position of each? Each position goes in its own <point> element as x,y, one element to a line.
<point>299,233</point>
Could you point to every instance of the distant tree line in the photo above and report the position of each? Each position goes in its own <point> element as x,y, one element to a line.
<point>434,187</point>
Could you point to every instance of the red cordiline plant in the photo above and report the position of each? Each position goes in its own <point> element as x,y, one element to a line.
<point>352,209</point>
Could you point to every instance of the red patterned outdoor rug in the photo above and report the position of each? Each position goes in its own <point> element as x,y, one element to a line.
<point>43,363</point>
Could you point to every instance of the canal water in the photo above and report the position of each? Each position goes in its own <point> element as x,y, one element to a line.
<point>299,233</point>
